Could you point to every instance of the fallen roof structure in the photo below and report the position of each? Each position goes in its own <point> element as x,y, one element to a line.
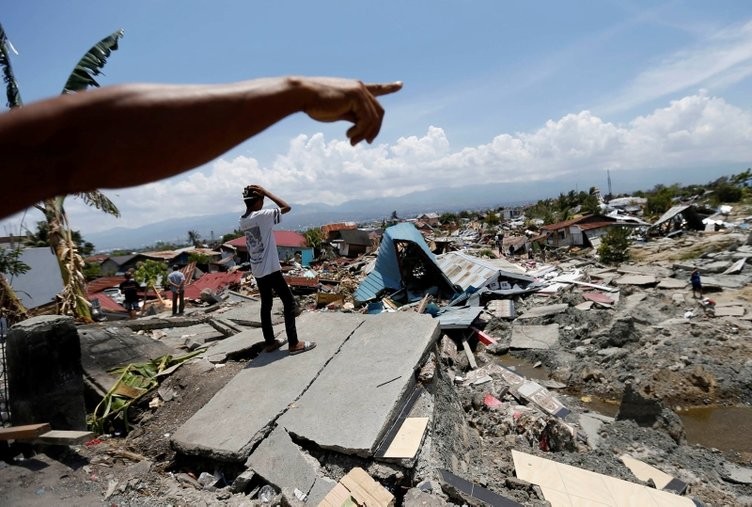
<point>403,261</point>
<point>687,212</point>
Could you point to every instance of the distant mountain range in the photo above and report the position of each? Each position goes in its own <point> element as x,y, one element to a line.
<point>304,216</point>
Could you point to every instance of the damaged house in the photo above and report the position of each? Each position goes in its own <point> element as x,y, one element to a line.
<point>678,218</point>
<point>582,231</point>
<point>405,269</point>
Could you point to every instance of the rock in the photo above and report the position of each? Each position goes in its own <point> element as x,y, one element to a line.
<point>622,332</point>
<point>587,374</point>
<point>417,498</point>
<point>242,482</point>
<point>448,350</point>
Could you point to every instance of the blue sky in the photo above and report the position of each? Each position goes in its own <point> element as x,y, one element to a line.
<point>494,91</point>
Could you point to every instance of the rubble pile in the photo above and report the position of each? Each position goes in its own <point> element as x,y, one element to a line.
<point>413,399</point>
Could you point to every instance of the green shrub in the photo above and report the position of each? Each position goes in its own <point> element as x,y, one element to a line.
<point>614,247</point>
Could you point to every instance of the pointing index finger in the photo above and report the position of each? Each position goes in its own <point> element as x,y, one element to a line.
<point>378,89</point>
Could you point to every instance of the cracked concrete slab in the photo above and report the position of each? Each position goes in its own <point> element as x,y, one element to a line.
<point>228,427</point>
<point>248,313</point>
<point>222,350</point>
<point>282,463</point>
<point>636,280</point>
<point>543,311</point>
<point>105,348</point>
<point>350,406</point>
<point>534,337</point>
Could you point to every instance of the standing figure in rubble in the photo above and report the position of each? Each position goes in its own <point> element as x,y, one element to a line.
<point>257,224</point>
<point>696,283</point>
<point>176,279</point>
<point>129,288</point>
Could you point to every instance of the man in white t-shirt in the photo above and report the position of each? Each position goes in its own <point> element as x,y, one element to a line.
<point>257,223</point>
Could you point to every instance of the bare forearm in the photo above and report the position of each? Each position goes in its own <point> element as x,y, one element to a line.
<point>282,204</point>
<point>131,134</point>
<point>123,135</point>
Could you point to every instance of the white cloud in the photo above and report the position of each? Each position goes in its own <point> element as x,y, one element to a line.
<point>695,131</point>
<point>716,61</point>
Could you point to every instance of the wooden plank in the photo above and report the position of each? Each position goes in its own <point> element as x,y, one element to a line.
<point>25,432</point>
<point>424,303</point>
<point>65,437</point>
<point>128,391</point>
<point>365,490</point>
<point>337,497</point>
<point>407,440</point>
<point>469,354</point>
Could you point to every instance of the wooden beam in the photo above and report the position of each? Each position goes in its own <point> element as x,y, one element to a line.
<point>26,432</point>
<point>469,354</point>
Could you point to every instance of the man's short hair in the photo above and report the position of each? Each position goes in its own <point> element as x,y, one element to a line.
<point>175,267</point>
<point>250,195</point>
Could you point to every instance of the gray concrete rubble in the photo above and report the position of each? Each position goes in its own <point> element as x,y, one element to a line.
<point>238,417</point>
<point>282,463</point>
<point>341,395</point>
<point>363,385</point>
<point>104,348</point>
<point>543,311</point>
<point>636,280</point>
<point>534,337</point>
<point>234,346</point>
<point>248,313</point>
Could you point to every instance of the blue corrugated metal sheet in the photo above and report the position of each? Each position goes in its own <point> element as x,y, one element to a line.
<point>386,273</point>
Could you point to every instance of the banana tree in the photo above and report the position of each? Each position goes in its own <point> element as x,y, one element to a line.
<point>73,299</point>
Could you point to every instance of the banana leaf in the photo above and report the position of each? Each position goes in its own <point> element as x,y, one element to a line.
<point>91,64</point>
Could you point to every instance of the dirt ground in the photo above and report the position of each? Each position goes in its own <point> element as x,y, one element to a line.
<point>645,341</point>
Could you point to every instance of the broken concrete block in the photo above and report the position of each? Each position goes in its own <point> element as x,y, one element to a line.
<point>242,482</point>
<point>534,337</point>
<point>731,472</point>
<point>45,380</point>
<point>543,311</point>
<point>502,308</point>
<point>282,463</point>
<point>448,350</point>
<point>636,280</point>
<point>672,283</point>
<point>729,311</point>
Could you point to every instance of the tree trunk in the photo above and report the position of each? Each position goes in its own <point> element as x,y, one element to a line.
<point>10,306</point>
<point>74,301</point>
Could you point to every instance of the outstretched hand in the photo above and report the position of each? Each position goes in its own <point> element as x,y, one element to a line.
<point>337,99</point>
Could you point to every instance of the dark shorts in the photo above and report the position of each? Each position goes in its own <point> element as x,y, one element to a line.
<point>696,286</point>
<point>131,305</point>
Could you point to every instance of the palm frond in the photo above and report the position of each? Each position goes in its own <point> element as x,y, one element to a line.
<point>11,85</point>
<point>91,64</point>
<point>98,200</point>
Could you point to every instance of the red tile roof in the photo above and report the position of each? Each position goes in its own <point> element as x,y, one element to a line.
<point>289,239</point>
<point>283,238</point>
<point>214,281</point>
<point>329,228</point>
<point>107,303</point>
<point>103,283</point>
<point>96,259</point>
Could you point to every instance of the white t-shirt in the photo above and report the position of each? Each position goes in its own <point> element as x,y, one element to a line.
<point>262,249</point>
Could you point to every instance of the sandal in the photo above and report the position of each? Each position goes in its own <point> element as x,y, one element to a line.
<point>306,347</point>
<point>275,345</point>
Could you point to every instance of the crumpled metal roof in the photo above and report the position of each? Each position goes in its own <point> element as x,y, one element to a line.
<point>386,272</point>
<point>467,270</point>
